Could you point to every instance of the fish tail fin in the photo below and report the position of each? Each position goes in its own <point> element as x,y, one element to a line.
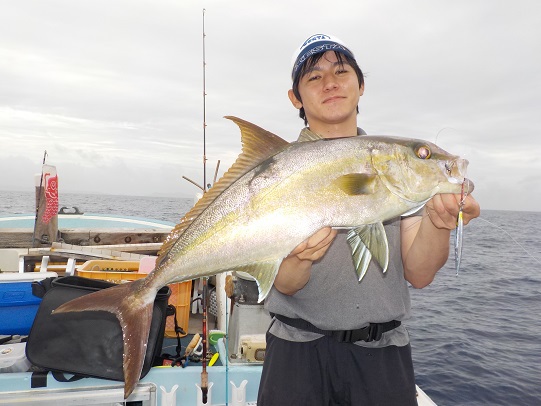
<point>133,308</point>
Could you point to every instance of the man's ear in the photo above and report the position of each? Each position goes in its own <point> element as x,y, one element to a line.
<point>361,90</point>
<point>296,102</point>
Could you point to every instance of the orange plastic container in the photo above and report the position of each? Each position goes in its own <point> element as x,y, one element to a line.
<point>181,295</point>
<point>111,271</point>
<point>125,271</point>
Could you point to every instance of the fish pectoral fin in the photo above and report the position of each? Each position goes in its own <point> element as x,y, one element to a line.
<point>361,255</point>
<point>135,317</point>
<point>366,242</point>
<point>355,184</point>
<point>307,135</point>
<point>264,273</point>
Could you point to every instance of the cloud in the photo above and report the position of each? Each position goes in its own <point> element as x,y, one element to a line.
<point>113,91</point>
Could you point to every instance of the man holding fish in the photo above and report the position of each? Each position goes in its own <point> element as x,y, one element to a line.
<point>335,340</point>
<point>339,296</point>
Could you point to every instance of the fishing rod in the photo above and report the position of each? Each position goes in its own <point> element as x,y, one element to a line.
<point>205,185</point>
<point>204,301</point>
<point>204,373</point>
<point>204,110</point>
<point>39,198</point>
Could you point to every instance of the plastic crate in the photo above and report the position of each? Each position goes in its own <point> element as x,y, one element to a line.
<point>124,271</point>
<point>181,297</point>
<point>111,271</point>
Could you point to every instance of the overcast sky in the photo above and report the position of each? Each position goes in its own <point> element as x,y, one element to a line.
<point>113,89</point>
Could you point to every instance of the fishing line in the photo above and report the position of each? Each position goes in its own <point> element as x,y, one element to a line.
<point>494,225</point>
<point>443,129</point>
<point>513,239</point>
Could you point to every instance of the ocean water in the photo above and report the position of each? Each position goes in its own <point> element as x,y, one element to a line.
<point>162,208</point>
<point>476,337</point>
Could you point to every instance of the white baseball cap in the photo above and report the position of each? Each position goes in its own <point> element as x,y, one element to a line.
<point>316,44</point>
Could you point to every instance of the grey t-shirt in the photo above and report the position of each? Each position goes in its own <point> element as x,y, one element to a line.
<point>334,299</point>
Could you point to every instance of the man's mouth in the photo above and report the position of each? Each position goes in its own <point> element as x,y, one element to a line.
<point>332,99</point>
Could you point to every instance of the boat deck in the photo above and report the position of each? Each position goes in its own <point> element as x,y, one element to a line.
<point>124,238</point>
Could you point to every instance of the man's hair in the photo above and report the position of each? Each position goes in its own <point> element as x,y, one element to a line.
<point>309,65</point>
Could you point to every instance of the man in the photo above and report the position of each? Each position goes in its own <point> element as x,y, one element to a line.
<point>335,341</point>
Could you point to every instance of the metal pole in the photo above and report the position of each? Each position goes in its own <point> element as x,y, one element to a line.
<point>39,198</point>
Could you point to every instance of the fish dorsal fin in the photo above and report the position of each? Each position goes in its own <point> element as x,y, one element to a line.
<point>264,273</point>
<point>366,242</point>
<point>257,145</point>
<point>308,135</point>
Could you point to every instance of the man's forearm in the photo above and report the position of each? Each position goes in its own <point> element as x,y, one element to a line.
<point>426,253</point>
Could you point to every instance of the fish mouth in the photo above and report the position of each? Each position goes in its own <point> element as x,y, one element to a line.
<point>468,186</point>
<point>456,173</point>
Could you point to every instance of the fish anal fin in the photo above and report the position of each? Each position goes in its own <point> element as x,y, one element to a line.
<point>257,145</point>
<point>264,273</point>
<point>133,311</point>
<point>367,242</point>
<point>355,184</point>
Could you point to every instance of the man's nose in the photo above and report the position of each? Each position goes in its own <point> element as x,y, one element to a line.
<point>329,82</point>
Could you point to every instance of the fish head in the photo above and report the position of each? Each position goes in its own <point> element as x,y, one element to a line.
<point>415,170</point>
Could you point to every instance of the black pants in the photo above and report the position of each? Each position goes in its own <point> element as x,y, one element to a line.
<point>326,372</point>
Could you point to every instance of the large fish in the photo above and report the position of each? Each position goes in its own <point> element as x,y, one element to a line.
<point>275,196</point>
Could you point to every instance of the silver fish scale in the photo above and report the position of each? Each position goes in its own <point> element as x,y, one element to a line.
<point>272,208</point>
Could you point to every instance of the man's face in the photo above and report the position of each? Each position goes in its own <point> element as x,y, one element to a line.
<point>329,92</point>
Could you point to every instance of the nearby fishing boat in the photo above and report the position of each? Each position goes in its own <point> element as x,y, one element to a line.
<point>78,220</point>
<point>85,229</point>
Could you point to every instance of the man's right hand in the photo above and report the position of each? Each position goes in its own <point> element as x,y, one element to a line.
<point>295,269</point>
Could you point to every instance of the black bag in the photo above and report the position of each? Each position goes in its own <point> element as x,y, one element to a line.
<point>87,344</point>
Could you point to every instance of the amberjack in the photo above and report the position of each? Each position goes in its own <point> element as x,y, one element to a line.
<point>276,195</point>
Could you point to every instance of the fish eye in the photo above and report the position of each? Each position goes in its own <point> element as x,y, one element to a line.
<point>423,152</point>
